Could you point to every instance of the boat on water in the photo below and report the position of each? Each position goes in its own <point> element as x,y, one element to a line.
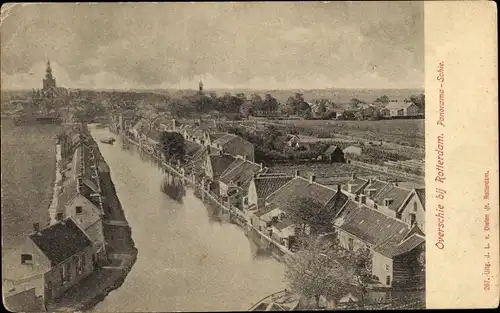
<point>100,126</point>
<point>108,140</point>
<point>279,301</point>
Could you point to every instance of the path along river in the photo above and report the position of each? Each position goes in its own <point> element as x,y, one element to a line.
<point>186,261</point>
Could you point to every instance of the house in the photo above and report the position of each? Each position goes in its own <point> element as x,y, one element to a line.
<point>125,120</point>
<point>386,197</point>
<point>334,154</point>
<point>399,108</point>
<point>396,247</point>
<point>234,145</point>
<point>262,186</point>
<point>289,193</point>
<point>353,150</point>
<point>355,186</point>
<point>216,165</point>
<point>61,253</point>
<point>237,176</point>
<point>210,137</point>
<point>282,231</point>
<point>306,142</point>
<point>413,209</point>
<point>81,198</point>
<point>264,218</point>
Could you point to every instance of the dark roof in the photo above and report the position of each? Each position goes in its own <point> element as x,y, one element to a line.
<point>382,232</point>
<point>331,149</point>
<point>357,184</point>
<point>214,136</point>
<point>61,240</point>
<point>266,185</point>
<point>300,187</point>
<point>240,174</point>
<point>220,163</point>
<point>377,185</point>
<point>191,148</point>
<point>265,210</point>
<point>397,194</point>
<point>409,244</point>
<point>421,196</point>
<point>154,134</point>
<point>283,224</point>
<point>237,162</point>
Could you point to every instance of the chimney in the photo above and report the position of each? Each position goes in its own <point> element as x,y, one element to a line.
<point>353,175</point>
<point>36,227</point>
<point>339,189</point>
<point>244,157</point>
<point>312,178</point>
<point>59,217</point>
<point>297,173</point>
<point>387,201</point>
<point>221,152</point>
<point>362,199</point>
<point>370,181</point>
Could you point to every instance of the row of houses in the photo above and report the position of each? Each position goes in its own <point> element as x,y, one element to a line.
<point>370,213</point>
<point>366,110</point>
<point>384,217</point>
<point>61,254</point>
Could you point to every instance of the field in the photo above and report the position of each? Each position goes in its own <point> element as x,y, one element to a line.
<point>28,173</point>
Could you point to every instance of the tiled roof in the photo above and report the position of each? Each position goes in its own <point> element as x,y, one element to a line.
<point>240,174</point>
<point>162,120</point>
<point>382,232</point>
<point>421,195</point>
<point>409,244</point>
<point>300,187</point>
<point>268,184</point>
<point>237,162</point>
<point>224,140</point>
<point>61,240</point>
<point>377,185</point>
<point>265,210</point>
<point>191,148</point>
<point>220,163</point>
<point>198,133</point>
<point>397,194</point>
<point>68,192</point>
<point>214,135</point>
<point>357,184</point>
<point>87,192</point>
<point>154,134</point>
<point>283,224</point>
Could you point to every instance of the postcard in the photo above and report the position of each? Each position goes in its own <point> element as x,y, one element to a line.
<point>249,156</point>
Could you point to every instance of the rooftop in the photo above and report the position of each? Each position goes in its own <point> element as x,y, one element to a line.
<point>61,240</point>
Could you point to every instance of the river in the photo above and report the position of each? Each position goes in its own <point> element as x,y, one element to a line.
<point>186,260</point>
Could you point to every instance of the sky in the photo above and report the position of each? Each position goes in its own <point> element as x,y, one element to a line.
<point>273,45</point>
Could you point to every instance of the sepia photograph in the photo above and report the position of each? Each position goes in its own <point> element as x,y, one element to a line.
<point>248,156</point>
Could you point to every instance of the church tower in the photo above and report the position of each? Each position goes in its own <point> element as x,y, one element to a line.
<point>201,87</point>
<point>48,81</point>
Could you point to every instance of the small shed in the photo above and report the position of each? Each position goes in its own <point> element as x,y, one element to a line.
<point>334,154</point>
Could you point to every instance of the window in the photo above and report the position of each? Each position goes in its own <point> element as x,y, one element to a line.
<point>66,273</point>
<point>79,268</point>
<point>413,218</point>
<point>350,244</point>
<point>387,267</point>
<point>388,280</point>
<point>78,210</point>
<point>415,207</point>
<point>26,259</point>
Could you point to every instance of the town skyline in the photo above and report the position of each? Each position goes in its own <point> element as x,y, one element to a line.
<point>332,46</point>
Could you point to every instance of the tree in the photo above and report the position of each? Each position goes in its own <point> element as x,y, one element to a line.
<point>384,99</point>
<point>354,102</point>
<point>321,108</point>
<point>316,271</point>
<point>270,103</point>
<point>257,102</point>
<point>247,108</point>
<point>311,215</point>
<point>172,146</point>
